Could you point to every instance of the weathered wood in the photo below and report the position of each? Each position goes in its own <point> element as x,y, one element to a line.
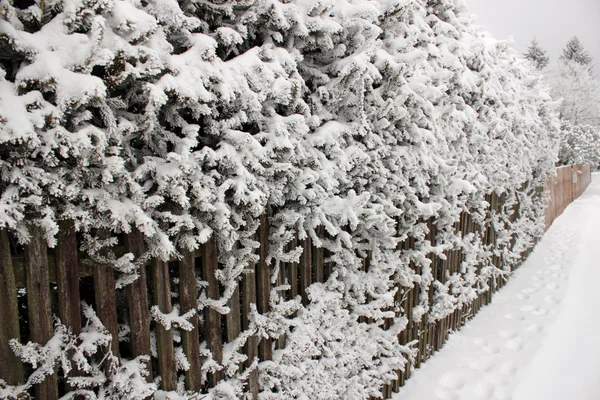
<point>248,286</point>
<point>263,285</point>
<point>164,338</point>
<point>319,257</point>
<point>233,318</point>
<point>11,367</point>
<point>137,300</point>
<point>212,319</point>
<point>67,274</point>
<point>67,279</point>
<point>39,304</point>
<point>293,271</point>
<point>305,270</point>
<point>190,340</point>
<point>105,298</point>
<point>281,276</point>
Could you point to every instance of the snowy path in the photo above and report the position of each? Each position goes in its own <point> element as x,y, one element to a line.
<point>540,338</point>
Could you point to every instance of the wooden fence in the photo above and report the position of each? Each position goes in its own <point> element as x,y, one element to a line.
<point>37,268</point>
<point>568,184</point>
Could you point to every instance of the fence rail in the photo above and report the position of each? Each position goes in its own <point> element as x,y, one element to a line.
<point>36,269</point>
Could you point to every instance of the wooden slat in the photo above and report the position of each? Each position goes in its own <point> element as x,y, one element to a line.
<point>305,270</point>
<point>164,338</point>
<point>190,340</point>
<point>293,271</point>
<point>281,277</point>
<point>233,318</point>
<point>263,285</point>
<point>39,304</point>
<point>11,368</point>
<point>212,319</point>
<point>67,271</point>
<point>251,347</point>
<point>67,279</point>
<point>105,297</point>
<point>137,300</point>
<point>319,257</point>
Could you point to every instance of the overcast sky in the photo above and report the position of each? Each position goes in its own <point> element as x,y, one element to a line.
<point>552,22</point>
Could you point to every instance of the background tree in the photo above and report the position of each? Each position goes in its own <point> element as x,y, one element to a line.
<point>575,52</point>
<point>578,90</point>
<point>537,55</point>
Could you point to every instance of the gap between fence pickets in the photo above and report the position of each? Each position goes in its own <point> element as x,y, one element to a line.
<point>255,287</point>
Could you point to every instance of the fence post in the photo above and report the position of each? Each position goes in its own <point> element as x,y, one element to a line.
<point>67,276</point>
<point>105,297</point>
<point>293,270</point>
<point>305,271</point>
<point>11,368</point>
<point>137,299</point>
<point>188,296</point>
<point>39,304</point>
<point>212,319</point>
<point>67,280</point>
<point>319,257</point>
<point>263,285</point>
<point>164,338</point>
<point>232,319</point>
<point>251,347</point>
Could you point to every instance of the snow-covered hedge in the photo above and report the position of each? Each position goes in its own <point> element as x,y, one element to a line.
<point>189,119</point>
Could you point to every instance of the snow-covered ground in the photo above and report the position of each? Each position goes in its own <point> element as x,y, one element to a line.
<point>540,338</point>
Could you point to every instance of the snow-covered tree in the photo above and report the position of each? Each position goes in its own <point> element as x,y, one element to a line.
<point>189,120</point>
<point>578,90</point>
<point>537,55</point>
<point>580,144</point>
<point>574,51</point>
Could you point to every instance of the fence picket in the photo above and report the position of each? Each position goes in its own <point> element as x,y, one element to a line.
<point>11,367</point>
<point>164,338</point>
<point>188,297</point>
<point>137,300</point>
<point>263,285</point>
<point>251,347</point>
<point>39,304</point>
<point>305,270</point>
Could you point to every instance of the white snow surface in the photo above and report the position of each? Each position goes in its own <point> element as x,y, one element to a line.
<point>538,340</point>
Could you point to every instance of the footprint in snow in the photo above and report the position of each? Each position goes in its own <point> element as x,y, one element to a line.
<point>507,368</point>
<point>514,344</point>
<point>540,311</point>
<point>514,317</point>
<point>552,299</point>
<point>484,390</point>
<point>552,286</point>
<point>535,310</point>
<point>508,334</point>
<point>482,364</point>
<point>445,394</point>
<point>535,328</point>
<point>522,296</point>
<point>452,380</point>
<point>529,290</point>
